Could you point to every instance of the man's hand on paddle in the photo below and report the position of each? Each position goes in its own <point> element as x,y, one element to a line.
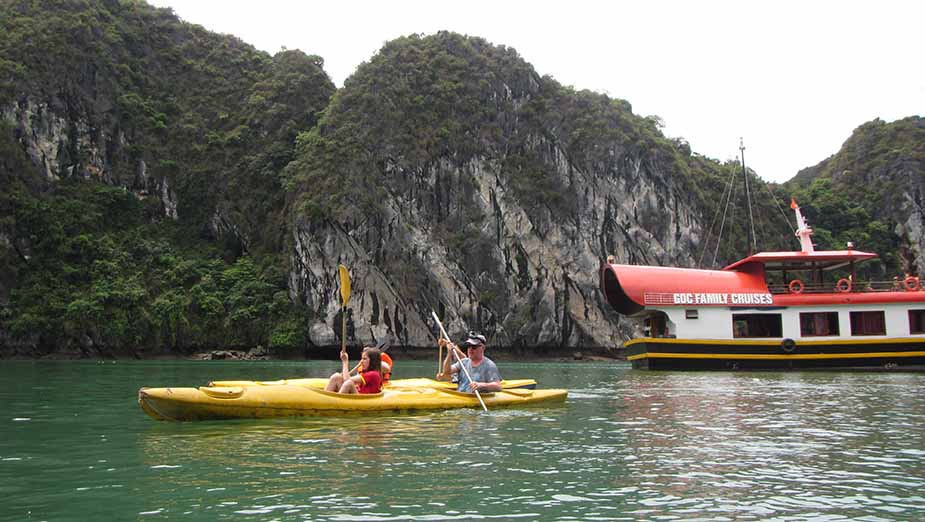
<point>445,374</point>
<point>452,346</point>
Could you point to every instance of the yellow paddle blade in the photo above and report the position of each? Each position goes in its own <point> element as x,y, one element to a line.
<point>344,284</point>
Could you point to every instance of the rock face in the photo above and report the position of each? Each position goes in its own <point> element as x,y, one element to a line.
<point>460,234</point>
<point>548,287</point>
<point>61,147</point>
<point>502,225</point>
<point>913,228</point>
<point>43,134</point>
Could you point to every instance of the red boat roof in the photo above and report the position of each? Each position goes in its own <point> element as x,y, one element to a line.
<point>628,288</point>
<point>792,261</point>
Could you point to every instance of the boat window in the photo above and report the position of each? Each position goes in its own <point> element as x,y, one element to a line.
<point>756,325</point>
<point>917,321</point>
<point>690,314</point>
<point>656,325</point>
<point>868,323</point>
<point>818,323</point>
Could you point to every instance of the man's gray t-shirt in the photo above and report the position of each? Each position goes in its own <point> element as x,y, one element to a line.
<point>486,371</point>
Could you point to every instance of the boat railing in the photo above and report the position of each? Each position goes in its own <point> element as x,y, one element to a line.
<point>844,286</point>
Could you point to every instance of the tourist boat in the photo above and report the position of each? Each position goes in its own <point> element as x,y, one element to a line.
<point>293,400</point>
<point>736,318</point>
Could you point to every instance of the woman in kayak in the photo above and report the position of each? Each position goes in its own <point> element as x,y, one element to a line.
<point>385,362</point>
<point>367,380</point>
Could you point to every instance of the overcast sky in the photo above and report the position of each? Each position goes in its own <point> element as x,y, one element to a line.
<point>793,78</point>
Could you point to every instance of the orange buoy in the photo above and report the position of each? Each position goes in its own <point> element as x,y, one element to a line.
<point>843,285</point>
<point>796,286</point>
<point>911,283</point>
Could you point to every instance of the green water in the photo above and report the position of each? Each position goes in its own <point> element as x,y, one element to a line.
<point>627,445</point>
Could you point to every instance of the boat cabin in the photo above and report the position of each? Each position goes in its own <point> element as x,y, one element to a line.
<point>767,305</point>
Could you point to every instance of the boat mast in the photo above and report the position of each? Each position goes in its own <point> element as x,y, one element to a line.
<point>804,232</point>
<point>750,233</point>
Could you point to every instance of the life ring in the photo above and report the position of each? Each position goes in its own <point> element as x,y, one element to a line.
<point>843,285</point>
<point>788,345</point>
<point>796,286</point>
<point>911,283</point>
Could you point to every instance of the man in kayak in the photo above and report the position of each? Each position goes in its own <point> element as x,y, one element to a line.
<point>368,378</point>
<point>484,372</point>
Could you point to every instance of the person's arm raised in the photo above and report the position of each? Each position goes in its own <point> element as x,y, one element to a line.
<point>446,372</point>
<point>344,359</point>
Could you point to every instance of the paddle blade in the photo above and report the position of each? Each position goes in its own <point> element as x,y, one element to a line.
<point>344,284</point>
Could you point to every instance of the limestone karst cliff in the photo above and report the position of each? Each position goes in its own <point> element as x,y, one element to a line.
<point>489,193</point>
<point>168,189</point>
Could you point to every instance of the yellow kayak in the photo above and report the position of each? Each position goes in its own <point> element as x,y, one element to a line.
<point>287,400</point>
<point>315,382</point>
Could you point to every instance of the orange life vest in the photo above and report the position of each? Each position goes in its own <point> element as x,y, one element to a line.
<point>388,360</point>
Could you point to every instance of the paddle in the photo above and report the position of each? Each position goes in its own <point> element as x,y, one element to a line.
<point>461,365</point>
<point>439,355</point>
<point>345,296</point>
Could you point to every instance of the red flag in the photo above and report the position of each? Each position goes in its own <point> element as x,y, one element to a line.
<point>793,203</point>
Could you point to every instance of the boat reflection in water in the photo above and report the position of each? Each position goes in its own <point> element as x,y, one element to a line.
<point>325,464</point>
<point>762,444</point>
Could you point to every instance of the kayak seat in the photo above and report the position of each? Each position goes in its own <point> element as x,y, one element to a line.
<point>230,392</point>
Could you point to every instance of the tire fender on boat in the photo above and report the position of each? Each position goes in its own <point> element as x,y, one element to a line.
<point>911,283</point>
<point>788,345</point>
<point>796,286</point>
<point>843,285</point>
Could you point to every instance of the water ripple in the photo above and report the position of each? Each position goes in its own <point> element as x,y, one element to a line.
<point>627,446</point>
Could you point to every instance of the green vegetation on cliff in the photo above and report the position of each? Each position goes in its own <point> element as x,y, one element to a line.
<point>871,193</point>
<point>210,114</point>
<point>99,278</point>
<point>157,113</point>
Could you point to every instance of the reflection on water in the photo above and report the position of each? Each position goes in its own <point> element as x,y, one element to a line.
<point>775,445</point>
<point>628,445</point>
